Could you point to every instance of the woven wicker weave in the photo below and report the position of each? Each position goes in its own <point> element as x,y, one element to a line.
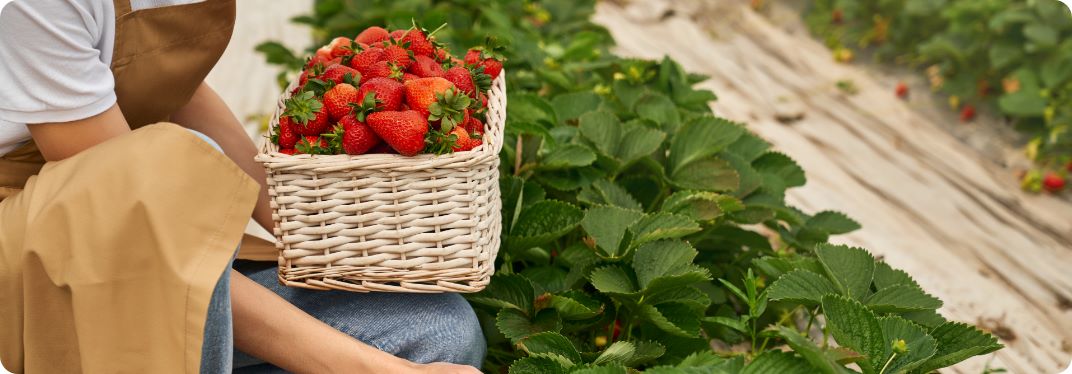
<point>386,222</point>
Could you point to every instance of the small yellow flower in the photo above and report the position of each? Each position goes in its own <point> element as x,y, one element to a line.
<point>899,346</point>
<point>954,101</point>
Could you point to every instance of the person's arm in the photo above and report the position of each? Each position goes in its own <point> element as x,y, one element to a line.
<point>58,141</point>
<point>266,325</point>
<point>207,113</point>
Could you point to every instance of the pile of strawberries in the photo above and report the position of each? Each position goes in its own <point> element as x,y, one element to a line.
<point>388,92</point>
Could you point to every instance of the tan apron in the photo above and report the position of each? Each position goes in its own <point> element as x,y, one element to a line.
<point>108,259</point>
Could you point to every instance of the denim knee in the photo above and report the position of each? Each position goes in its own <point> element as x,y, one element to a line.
<point>452,335</point>
<point>206,139</point>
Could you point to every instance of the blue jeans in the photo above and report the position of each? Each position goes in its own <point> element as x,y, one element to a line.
<point>421,328</point>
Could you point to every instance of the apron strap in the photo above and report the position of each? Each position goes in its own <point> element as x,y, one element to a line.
<point>122,7</point>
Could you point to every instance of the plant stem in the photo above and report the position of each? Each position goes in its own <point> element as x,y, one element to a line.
<point>517,157</point>
<point>887,365</point>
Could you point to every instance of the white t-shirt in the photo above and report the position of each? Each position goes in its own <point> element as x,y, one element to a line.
<point>55,58</point>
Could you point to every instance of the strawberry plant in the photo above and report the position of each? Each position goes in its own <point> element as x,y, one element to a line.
<point>1012,55</point>
<point>642,232</point>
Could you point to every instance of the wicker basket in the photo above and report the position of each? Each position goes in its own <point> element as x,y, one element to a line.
<point>386,222</point>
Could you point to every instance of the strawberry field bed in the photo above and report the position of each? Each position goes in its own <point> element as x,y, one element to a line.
<point>642,231</point>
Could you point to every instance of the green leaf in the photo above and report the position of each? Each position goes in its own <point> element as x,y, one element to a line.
<point>616,353</point>
<point>901,298</point>
<point>515,325</point>
<point>638,142</point>
<point>538,365</point>
<point>607,226</point>
<point>1041,34</point>
<point>567,156</point>
<point>659,108</point>
<point>1023,103</point>
<point>550,342</point>
<point>778,362</point>
<point>546,278</point>
<point>957,342</point>
<point>708,174</point>
<point>700,205</point>
<point>832,223</point>
<point>801,286</point>
<point>886,276</point>
<point>276,53</point>
<point>819,360</point>
<point>748,147</point>
<point>662,259</point>
<point>615,369</point>
<point>850,269</point>
<point>605,192</point>
<point>612,280</point>
<point>780,165</point>
<point>572,105</point>
<point>542,222</point>
<point>574,305</point>
<point>920,345</point>
<point>527,107</point>
<point>662,226</point>
<point>603,129</point>
<point>644,352</point>
<point>700,138</point>
<point>674,318</point>
<point>854,326</point>
<point>732,323</point>
<point>507,291</point>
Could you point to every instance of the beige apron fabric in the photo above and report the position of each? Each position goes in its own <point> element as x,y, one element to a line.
<point>108,258</point>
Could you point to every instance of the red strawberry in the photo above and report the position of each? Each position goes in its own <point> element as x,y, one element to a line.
<point>425,67</point>
<point>382,148</point>
<point>284,134</point>
<point>314,145</point>
<point>288,151</point>
<point>341,46</point>
<point>473,56</point>
<point>418,43</point>
<point>421,93</point>
<point>474,126</point>
<point>463,142</point>
<point>338,74</point>
<point>404,131</point>
<point>1053,182</point>
<point>323,53</point>
<point>901,90</point>
<point>372,35</point>
<point>337,100</point>
<point>352,136</point>
<point>397,34</point>
<point>491,63</point>
<point>398,55</point>
<point>408,77</point>
<point>967,113</point>
<point>441,55</point>
<point>382,69</point>
<point>366,58</point>
<point>389,93</point>
<point>307,113</point>
<point>462,79</point>
<point>492,67</point>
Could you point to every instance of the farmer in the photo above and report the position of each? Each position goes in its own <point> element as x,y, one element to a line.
<point>120,216</point>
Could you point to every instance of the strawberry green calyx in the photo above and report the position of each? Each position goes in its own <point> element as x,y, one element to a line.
<point>449,108</point>
<point>481,80</point>
<point>302,107</point>
<point>334,138</point>
<point>313,145</point>
<point>366,106</point>
<point>439,142</point>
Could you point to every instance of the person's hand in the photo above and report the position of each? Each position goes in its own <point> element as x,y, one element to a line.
<point>445,368</point>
